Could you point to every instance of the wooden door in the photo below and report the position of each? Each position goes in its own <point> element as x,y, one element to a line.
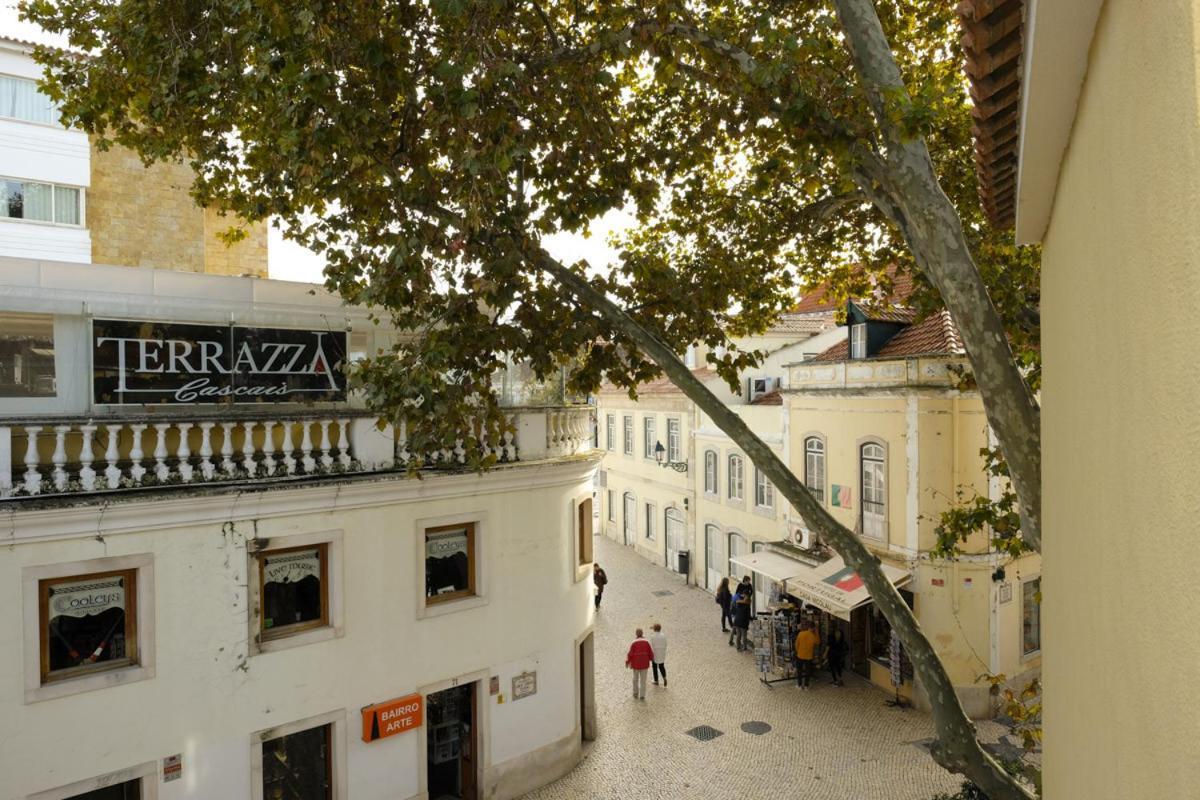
<point>470,747</point>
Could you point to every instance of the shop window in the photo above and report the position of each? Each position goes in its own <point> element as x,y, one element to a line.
<point>1031,616</point>
<point>881,630</point>
<point>710,472</point>
<point>648,434</point>
<point>295,590</point>
<point>449,562</point>
<point>27,355</point>
<point>674,442</point>
<point>628,431</point>
<point>610,432</point>
<point>736,476</point>
<point>88,623</point>
<point>764,492</point>
<point>584,532</point>
<point>814,467</point>
<point>299,766</point>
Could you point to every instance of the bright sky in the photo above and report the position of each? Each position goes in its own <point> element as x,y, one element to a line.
<point>288,261</point>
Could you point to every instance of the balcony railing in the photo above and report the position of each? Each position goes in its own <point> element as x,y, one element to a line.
<point>57,456</point>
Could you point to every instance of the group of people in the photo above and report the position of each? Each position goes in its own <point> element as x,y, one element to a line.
<point>735,619</point>
<point>646,654</point>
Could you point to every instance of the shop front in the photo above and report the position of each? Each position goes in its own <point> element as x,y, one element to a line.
<point>832,596</point>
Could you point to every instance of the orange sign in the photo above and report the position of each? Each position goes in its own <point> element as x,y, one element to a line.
<point>395,716</point>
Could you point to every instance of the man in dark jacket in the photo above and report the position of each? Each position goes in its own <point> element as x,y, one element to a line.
<point>741,617</point>
<point>601,580</point>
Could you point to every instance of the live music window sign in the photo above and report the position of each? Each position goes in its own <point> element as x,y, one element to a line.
<point>179,363</point>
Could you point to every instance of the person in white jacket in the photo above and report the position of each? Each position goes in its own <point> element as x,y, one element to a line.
<point>658,643</point>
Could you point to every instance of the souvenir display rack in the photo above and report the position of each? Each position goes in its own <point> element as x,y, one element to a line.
<point>773,635</point>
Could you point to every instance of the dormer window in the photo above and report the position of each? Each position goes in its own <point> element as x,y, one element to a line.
<point>858,340</point>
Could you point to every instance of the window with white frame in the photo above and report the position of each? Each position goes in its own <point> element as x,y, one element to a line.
<point>1031,616</point>
<point>674,442</point>
<point>874,490</point>
<point>738,546</point>
<point>40,202</point>
<point>710,472</point>
<point>648,434</point>
<point>628,449</point>
<point>21,99</point>
<point>612,506</point>
<point>630,516</point>
<point>736,489</point>
<point>651,513</point>
<point>814,467</point>
<point>610,432</point>
<point>858,340</point>
<point>764,492</point>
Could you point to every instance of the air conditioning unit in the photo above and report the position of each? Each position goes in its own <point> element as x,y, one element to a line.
<point>803,538</point>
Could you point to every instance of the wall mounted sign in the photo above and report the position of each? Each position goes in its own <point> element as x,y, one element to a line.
<point>172,768</point>
<point>524,685</point>
<point>87,597</point>
<point>1006,592</point>
<point>840,495</point>
<point>395,716</point>
<point>178,363</point>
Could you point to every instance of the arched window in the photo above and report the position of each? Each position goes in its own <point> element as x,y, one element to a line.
<point>629,522</point>
<point>712,557</point>
<point>737,547</point>
<point>737,490</point>
<point>873,459</point>
<point>674,537</point>
<point>814,467</point>
<point>710,472</point>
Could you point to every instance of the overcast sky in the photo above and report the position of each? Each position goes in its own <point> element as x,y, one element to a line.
<point>287,261</point>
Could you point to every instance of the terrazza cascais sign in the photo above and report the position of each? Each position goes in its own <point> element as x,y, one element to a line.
<point>163,362</point>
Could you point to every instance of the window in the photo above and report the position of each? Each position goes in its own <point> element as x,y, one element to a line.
<point>674,448</point>
<point>874,491</point>
<point>737,547</point>
<point>1031,616</point>
<point>879,632</point>
<point>650,514</point>
<point>294,590</point>
<point>39,202</point>
<point>88,623</point>
<point>612,506</point>
<point>630,516</point>
<point>20,99</point>
<point>27,356</point>
<point>764,492</point>
<point>814,467</point>
<point>584,552</point>
<point>133,783</point>
<point>710,472</point>
<point>736,479</point>
<point>858,340</point>
<point>712,560</point>
<point>449,562</point>
<point>126,790</point>
<point>628,435</point>
<point>648,434</point>
<point>299,766</point>
<point>610,432</point>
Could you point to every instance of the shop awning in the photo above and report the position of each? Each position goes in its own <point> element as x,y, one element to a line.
<point>775,566</point>
<point>836,588</point>
<point>832,587</point>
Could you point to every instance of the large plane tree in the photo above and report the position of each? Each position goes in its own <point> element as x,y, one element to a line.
<point>426,147</point>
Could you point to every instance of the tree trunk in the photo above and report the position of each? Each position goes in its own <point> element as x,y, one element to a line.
<point>957,749</point>
<point>933,230</point>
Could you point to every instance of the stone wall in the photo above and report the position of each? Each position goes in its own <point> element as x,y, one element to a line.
<point>143,217</point>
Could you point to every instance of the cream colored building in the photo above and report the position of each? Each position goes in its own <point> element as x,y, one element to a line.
<point>1105,176</point>
<point>219,575</point>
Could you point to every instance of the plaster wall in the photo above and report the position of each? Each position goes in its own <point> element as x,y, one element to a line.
<point>1119,293</point>
<point>210,692</point>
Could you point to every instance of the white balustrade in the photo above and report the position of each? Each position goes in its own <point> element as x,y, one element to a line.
<point>227,465</point>
<point>326,459</point>
<point>136,471</point>
<point>183,453</point>
<point>112,453</point>
<point>33,477</point>
<point>268,448</point>
<point>306,446</point>
<point>87,475</point>
<point>289,449</point>
<point>161,470</point>
<point>207,468</point>
<point>343,444</point>
<point>248,463</point>
<point>59,458</point>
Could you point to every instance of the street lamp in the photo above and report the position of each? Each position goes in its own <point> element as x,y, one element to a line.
<point>660,455</point>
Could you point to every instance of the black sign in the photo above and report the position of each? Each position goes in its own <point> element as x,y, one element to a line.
<point>164,362</point>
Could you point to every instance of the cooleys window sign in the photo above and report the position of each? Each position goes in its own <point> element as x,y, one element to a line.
<point>163,362</point>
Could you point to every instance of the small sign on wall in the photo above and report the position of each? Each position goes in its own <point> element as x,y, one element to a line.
<point>494,685</point>
<point>1006,592</point>
<point>173,768</point>
<point>524,685</point>
<point>395,716</point>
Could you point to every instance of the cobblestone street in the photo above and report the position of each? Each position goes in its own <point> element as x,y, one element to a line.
<point>836,743</point>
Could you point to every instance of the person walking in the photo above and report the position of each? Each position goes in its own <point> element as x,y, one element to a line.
<point>725,600</point>
<point>835,654</point>
<point>741,617</point>
<point>639,658</point>
<point>658,644</point>
<point>600,578</point>
<point>807,642</point>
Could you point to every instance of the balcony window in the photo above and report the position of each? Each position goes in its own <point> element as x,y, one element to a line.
<point>40,202</point>
<point>710,472</point>
<point>736,477</point>
<point>610,432</point>
<point>27,355</point>
<point>648,436</point>
<point>674,442</point>
<point>814,467</point>
<point>20,99</point>
<point>764,492</point>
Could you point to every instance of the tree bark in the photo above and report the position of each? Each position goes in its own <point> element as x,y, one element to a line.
<point>957,748</point>
<point>914,200</point>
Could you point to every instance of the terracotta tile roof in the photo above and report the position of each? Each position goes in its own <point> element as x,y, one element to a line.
<point>992,39</point>
<point>886,314</point>
<point>935,335</point>
<point>821,299</point>
<point>772,398</point>
<point>817,301</point>
<point>663,385</point>
<point>810,322</point>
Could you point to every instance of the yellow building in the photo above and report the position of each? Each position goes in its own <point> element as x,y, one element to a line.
<point>1104,176</point>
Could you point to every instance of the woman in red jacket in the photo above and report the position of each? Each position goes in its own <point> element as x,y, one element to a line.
<point>639,658</point>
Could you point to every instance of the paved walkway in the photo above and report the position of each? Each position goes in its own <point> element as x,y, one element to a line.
<point>830,742</point>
